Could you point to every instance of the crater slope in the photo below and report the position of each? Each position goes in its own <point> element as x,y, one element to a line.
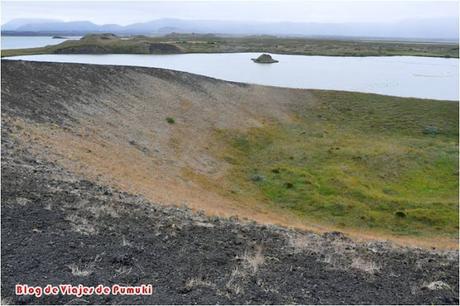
<point>93,158</point>
<point>366,164</point>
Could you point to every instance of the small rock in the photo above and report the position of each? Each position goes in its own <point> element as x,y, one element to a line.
<point>430,130</point>
<point>264,59</point>
<point>257,178</point>
<point>124,259</point>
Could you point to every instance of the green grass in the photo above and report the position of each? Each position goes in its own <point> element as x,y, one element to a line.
<point>195,43</point>
<point>355,160</point>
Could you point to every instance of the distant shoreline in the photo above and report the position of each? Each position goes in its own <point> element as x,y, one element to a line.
<point>452,41</point>
<point>197,43</point>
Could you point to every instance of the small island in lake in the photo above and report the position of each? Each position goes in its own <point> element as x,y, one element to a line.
<point>59,37</point>
<point>264,59</point>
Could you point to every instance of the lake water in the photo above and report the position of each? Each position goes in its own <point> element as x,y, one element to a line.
<point>405,76</point>
<point>19,42</point>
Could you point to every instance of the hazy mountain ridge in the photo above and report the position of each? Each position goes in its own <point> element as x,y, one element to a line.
<point>446,28</point>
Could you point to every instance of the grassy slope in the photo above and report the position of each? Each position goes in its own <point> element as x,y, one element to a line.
<point>213,44</point>
<point>355,160</point>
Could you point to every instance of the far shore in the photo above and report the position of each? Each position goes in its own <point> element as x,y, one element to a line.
<point>195,43</point>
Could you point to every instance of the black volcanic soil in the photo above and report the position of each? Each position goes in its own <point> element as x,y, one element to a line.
<point>59,228</point>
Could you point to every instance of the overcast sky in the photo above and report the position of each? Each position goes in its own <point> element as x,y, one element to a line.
<point>126,12</point>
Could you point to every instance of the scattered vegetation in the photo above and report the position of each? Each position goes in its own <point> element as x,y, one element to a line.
<point>355,160</point>
<point>365,265</point>
<point>76,271</point>
<point>437,285</point>
<point>85,269</point>
<point>252,261</point>
<point>81,225</point>
<point>195,282</point>
<point>170,120</point>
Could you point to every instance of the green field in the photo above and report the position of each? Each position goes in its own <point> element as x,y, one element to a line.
<point>355,160</point>
<point>189,43</point>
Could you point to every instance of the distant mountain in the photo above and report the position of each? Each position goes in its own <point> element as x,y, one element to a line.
<point>84,26</point>
<point>446,28</point>
<point>16,23</point>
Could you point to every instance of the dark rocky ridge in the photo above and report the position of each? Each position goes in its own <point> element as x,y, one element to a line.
<point>141,48</point>
<point>54,221</point>
<point>49,97</point>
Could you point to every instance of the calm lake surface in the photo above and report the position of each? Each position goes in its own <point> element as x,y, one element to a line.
<point>19,42</point>
<point>405,76</point>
